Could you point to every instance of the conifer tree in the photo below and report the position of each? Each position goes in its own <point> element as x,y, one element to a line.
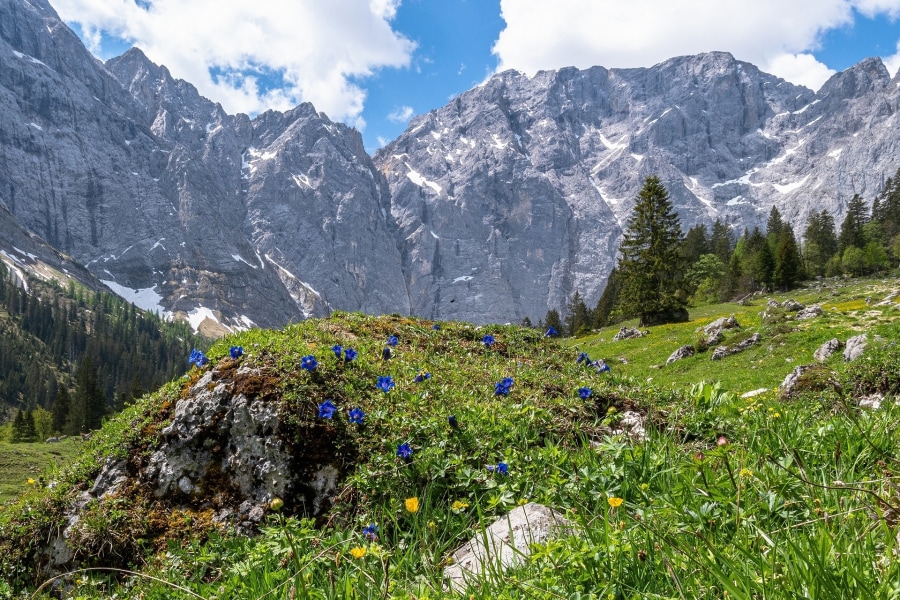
<point>820,242</point>
<point>60,410</point>
<point>721,241</point>
<point>577,318</point>
<point>606,305</point>
<point>650,264</point>
<point>852,228</point>
<point>788,266</point>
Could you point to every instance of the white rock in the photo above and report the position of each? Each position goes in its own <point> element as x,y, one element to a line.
<point>505,544</point>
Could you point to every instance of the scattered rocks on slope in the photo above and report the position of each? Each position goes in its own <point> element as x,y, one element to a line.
<point>505,544</point>
<point>808,378</point>
<point>810,312</point>
<point>889,299</point>
<point>626,333</point>
<point>721,323</point>
<point>723,351</point>
<point>792,305</point>
<point>827,349</point>
<point>683,352</point>
<point>855,347</point>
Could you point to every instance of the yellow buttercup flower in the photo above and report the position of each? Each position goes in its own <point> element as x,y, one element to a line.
<point>358,552</point>
<point>614,501</point>
<point>412,504</point>
<point>459,505</point>
<point>30,481</point>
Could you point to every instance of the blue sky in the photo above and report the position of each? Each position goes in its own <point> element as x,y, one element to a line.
<point>375,63</point>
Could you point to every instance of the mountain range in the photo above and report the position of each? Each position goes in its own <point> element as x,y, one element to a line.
<point>493,208</point>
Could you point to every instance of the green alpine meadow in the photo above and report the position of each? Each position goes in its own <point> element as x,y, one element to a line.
<point>699,478</point>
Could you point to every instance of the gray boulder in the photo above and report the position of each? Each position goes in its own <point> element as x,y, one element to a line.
<point>792,306</point>
<point>790,382</point>
<point>827,349</point>
<point>723,351</point>
<point>810,312</point>
<point>855,347</point>
<point>504,544</point>
<point>683,352</point>
<point>626,333</point>
<point>720,324</point>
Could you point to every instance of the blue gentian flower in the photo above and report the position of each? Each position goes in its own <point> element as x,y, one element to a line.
<point>337,350</point>
<point>404,451</point>
<point>349,354</point>
<point>327,409</point>
<point>356,415</point>
<point>436,327</point>
<point>236,352</point>
<point>488,340</point>
<point>198,358</point>
<point>309,363</point>
<point>392,341</point>
<point>551,331</point>
<point>422,376</point>
<point>370,532</point>
<point>585,392</point>
<point>501,388</point>
<point>453,422</point>
<point>502,468</point>
<point>385,384</point>
<point>386,353</point>
<point>583,358</point>
<point>601,366</point>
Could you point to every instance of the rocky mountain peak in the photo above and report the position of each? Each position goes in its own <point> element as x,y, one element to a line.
<point>493,208</point>
<point>865,77</point>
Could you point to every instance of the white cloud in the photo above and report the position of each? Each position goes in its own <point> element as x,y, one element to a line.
<point>893,62</point>
<point>639,33</point>
<point>401,114</point>
<point>802,69</point>
<point>319,49</point>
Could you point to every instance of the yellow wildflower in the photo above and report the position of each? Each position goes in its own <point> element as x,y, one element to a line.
<point>358,552</point>
<point>645,486</point>
<point>746,473</point>
<point>30,481</point>
<point>614,501</point>
<point>412,504</point>
<point>459,505</point>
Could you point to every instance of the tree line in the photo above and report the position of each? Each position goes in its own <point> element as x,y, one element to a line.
<point>660,271</point>
<point>72,356</point>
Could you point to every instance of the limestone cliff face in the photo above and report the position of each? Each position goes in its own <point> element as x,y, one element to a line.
<point>515,194</point>
<point>174,203</point>
<point>493,208</point>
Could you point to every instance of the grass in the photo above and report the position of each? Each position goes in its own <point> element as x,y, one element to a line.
<point>20,463</point>
<point>785,344</point>
<point>759,497</point>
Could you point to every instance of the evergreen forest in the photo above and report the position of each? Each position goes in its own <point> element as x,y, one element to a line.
<point>70,357</point>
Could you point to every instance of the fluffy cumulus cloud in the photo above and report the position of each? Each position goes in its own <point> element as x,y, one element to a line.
<point>401,114</point>
<point>253,56</point>
<point>776,35</point>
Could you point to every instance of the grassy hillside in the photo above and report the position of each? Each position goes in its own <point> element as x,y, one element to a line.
<point>786,342</point>
<point>749,498</point>
<point>24,463</point>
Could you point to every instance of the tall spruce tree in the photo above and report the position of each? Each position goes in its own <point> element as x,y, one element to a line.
<point>721,241</point>
<point>606,305</point>
<point>788,265</point>
<point>578,318</point>
<point>820,242</point>
<point>651,266</point>
<point>852,232</point>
